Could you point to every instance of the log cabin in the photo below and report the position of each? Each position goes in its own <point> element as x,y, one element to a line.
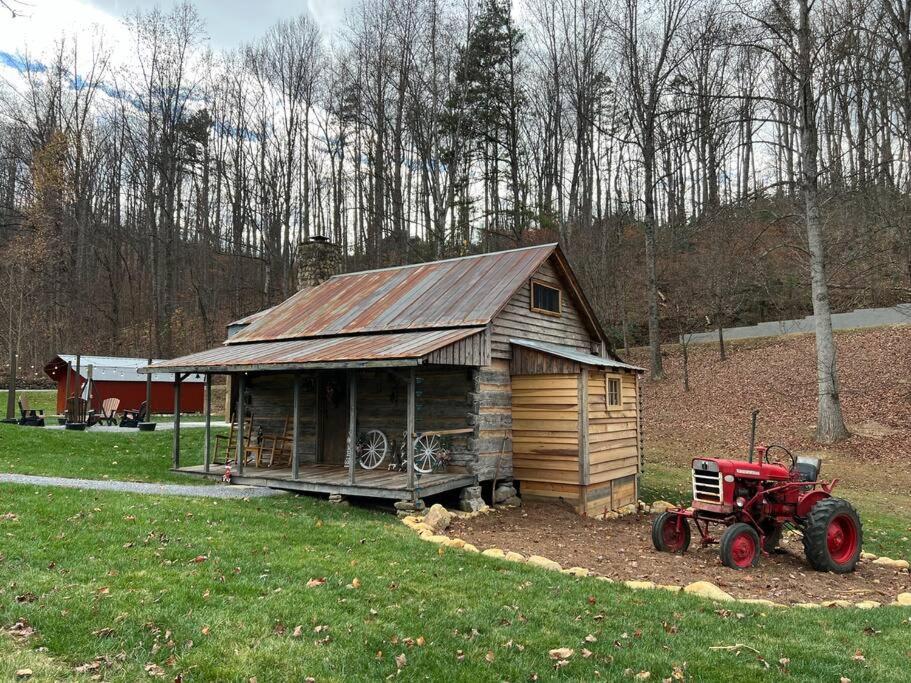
<point>402,383</point>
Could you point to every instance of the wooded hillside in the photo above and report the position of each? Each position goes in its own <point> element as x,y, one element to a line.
<point>777,377</point>
<point>147,200</point>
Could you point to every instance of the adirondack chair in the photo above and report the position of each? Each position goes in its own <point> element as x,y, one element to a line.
<point>29,417</point>
<point>226,446</point>
<point>109,409</point>
<point>132,417</point>
<point>77,412</point>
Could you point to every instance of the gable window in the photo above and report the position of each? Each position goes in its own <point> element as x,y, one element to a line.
<point>613,392</point>
<point>545,299</point>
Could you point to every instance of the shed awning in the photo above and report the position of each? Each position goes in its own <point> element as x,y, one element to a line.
<point>574,355</point>
<point>367,350</point>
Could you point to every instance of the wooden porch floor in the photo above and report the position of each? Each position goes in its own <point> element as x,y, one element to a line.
<point>334,479</point>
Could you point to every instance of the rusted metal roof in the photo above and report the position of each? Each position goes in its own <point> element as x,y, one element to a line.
<point>399,348</point>
<point>574,354</point>
<point>461,292</point>
<point>247,319</point>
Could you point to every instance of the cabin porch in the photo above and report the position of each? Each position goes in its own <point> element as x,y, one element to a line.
<point>324,417</point>
<point>334,479</point>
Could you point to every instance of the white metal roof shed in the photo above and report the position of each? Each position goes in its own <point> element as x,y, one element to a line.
<point>117,369</point>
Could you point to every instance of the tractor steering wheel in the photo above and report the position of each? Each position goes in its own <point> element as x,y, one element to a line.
<point>790,455</point>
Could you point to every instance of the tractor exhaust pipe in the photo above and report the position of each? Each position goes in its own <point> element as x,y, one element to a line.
<point>753,417</point>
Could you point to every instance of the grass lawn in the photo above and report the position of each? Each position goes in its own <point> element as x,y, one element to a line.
<point>218,590</point>
<point>133,456</point>
<point>45,400</point>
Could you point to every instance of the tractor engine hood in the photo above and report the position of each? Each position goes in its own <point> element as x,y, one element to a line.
<point>741,469</point>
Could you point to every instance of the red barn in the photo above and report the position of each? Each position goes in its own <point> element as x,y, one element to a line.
<point>114,377</point>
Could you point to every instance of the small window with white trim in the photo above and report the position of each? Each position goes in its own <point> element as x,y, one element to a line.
<point>545,299</point>
<point>613,392</point>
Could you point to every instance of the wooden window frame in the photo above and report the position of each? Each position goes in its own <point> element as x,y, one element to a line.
<point>531,298</point>
<point>607,380</point>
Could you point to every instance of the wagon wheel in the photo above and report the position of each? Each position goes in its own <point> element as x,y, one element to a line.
<point>427,453</point>
<point>372,449</point>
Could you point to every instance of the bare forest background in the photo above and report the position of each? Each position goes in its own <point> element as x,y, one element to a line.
<point>669,145</point>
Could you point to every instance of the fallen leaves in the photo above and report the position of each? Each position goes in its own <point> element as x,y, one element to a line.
<point>561,653</point>
<point>401,661</point>
<point>154,670</point>
<point>313,583</point>
<point>105,632</point>
<point>23,673</point>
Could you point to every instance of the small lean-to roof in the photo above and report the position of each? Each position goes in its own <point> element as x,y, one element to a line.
<point>397,348</point>
<point>574,355</point>
<point>252,317</point>
<point>461,292</point>
<point>108,369</point>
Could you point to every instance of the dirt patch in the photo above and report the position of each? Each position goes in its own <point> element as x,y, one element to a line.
<point>622,549</point>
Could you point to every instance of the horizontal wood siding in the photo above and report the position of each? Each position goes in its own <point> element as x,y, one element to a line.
<point>549,440</point>
<point>545,410</point>
<point>517,320</point>
<point>613,431</point>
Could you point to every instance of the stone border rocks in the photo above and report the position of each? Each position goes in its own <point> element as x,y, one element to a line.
<point>431,526</point>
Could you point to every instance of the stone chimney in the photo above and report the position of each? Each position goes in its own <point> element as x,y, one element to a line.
<point>318,260</point>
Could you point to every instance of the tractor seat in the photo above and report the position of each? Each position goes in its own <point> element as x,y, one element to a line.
<point>808,468</point>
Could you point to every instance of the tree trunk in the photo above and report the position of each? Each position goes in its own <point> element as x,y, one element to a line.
<point>651,258</point>
<point>830,425</point>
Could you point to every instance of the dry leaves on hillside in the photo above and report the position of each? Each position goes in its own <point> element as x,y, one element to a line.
<point>777,376</point>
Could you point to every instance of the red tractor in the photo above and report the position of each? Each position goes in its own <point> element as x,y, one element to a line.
<point>754,501</point>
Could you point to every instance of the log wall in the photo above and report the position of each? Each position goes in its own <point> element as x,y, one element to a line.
<point>492,419</point>
<point>444,400</point>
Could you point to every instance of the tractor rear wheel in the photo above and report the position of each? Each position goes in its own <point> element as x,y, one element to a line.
<point>667,536</point>
<point>739,547</point>
<point>833,536</point>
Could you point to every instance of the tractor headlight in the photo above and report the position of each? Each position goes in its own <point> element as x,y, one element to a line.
<point>729,478</point>
<point>740,502</point>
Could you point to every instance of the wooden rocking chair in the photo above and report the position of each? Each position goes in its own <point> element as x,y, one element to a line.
<point>275,448</point>
<point>227,453</point>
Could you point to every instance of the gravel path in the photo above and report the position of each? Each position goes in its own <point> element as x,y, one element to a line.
<point>160,427</point>
<point>215,491</point>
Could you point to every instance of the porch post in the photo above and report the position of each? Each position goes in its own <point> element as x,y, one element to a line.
<point>295,438</point>
<point>149,394</point>
<point>178,378</point>
<point>206,451</point>
<point>66,397</point>
<point>352,423</point>
<point>409,431</point>
<point>239,416</point>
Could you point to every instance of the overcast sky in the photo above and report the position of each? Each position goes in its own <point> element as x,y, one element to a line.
<point>229,22</point>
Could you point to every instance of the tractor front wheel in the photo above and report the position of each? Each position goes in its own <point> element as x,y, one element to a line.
<point>833,536</point>
<point>739,547</point>
<point>671,533</point>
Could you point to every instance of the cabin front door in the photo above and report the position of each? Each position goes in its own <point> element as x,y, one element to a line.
<point>334,409</point>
